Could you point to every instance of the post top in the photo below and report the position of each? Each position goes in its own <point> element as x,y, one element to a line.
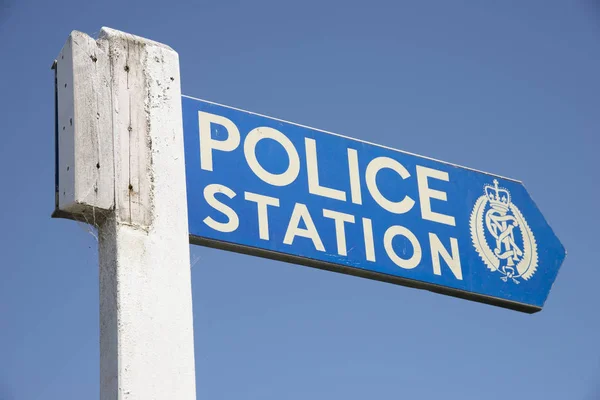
<point>114,34</point>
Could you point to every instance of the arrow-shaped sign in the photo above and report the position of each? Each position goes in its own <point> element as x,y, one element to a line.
<point>275,189</point>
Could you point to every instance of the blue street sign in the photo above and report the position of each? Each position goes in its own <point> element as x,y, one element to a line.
<point>275,189</point>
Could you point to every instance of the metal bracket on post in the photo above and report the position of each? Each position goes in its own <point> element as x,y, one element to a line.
<point>121,167</point>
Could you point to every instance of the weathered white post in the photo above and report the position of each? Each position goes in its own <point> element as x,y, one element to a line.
<point>121,166</point>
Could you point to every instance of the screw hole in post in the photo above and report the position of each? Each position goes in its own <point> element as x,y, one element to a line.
<point>97,165</point>
<point>127,68</point>
<point>71,121</point>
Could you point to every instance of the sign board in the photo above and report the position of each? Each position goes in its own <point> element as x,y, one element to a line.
<point>275,189</point>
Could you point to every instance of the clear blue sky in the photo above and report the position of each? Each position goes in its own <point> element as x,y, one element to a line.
<point>439,78</point>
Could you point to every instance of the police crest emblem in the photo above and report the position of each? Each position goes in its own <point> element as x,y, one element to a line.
<point>501,235</point>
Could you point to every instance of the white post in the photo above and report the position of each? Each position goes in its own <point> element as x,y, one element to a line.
<point>121,166</point>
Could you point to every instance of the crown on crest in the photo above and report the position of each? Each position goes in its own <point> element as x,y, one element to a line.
<point>499,197</point>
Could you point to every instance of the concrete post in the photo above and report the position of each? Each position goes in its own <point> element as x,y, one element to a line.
<point>121,166</point>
